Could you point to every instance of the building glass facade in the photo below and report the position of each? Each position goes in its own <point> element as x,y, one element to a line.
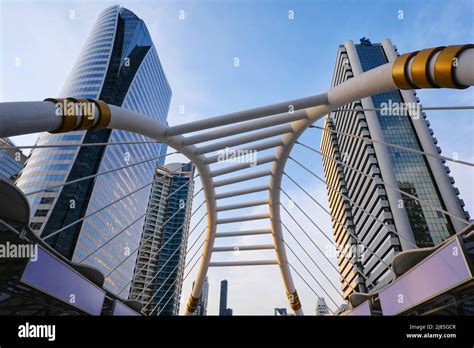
<point>411,169</point>
<point>119,65</point>
<point>364,215</point>
<point>12,160</point>
<point>223,310</point>
<point>158,275</point>
<point>201,309</point>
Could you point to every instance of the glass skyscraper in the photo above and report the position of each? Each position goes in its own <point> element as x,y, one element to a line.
<point>12,160</point>
<point>223,298</point>
<point>353,196</point>
<point>201,309</point>
<point>223,310</point>
<point>158,275</point>
<point>119,65</point>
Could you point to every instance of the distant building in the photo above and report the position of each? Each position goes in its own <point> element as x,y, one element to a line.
<point>223,310</point>
<point>12,160</point>
<point>321,307</point>
<point>158,275</point>
<point>223,298</point>
<point>281,312</point>
<point>201,309</point>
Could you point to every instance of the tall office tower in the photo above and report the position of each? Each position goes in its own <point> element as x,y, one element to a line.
<point>321,307</point>
<point>12,160</point>
<point>158,275</point>
<point>354,196</point>
<point>119,65</point>
<point>201,308</point>
<point>223,299</point>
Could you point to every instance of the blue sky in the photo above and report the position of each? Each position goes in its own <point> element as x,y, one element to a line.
<point>280,59</point>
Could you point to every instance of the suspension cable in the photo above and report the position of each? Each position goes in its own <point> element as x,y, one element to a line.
<point>164,306</point>
<point>355,204</point>
<point>194,265</point>
<point>296,204</point>
<point>420,108</point>
<point>307,284</point>
<point>142,268</point>
<point>391,145</point>
<point>330,241</point>
<point>45,146</point>
<point>340,224</point>
<point>314,262</point>
<point>150,236</point>
<point>310,257</point>
<point>99,174</point>
<point>158,272</point>
<point>312,276</point>
<point>381,182</point>
<point>107,206</point>
<point>131,224</point>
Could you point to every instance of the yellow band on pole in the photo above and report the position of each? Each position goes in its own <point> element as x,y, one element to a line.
<point>400,71</point>
<point>68,121</point>
<point>192,304</point>
<point>294,299</point>
<point>445,65</point>
<point>420,74</point>
<point>86,120</point>
<point>104,114</point>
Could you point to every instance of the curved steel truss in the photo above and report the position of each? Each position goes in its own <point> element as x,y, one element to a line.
<point>275,127</point>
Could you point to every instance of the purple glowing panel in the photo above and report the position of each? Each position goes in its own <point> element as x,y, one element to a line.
<point>122,309</point>
<point>55,278</point>
<point>362,309</point>
<point>441,271</point>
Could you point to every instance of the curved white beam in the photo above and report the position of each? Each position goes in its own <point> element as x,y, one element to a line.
<point>404,72</point>
<point>366,84</point>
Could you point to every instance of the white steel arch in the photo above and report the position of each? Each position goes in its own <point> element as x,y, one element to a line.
<point>274,127</point>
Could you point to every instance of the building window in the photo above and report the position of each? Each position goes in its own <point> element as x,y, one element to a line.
<point>36,225</point>
<point>46,200</point>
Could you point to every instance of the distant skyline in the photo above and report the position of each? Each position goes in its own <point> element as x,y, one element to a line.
<point>279,59</point>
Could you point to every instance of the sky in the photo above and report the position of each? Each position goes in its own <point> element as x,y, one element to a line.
<point>280,58</point>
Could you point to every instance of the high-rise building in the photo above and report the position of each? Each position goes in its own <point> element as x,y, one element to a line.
<point>321,307</point>
<point>201,308</point>
<point>119,65</point>
<point>158,275</point>
<point>12,160</point>
<point>353,196</point>
<point>223,298</point>
<point>223,310</point>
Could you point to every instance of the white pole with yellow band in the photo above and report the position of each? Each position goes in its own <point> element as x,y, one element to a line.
<point>441,67</point>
